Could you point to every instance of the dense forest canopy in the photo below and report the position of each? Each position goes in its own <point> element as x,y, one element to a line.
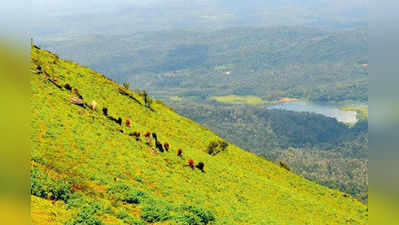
<point>266,62</point>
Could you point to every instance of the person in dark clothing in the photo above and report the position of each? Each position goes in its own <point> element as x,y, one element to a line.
<point>201,166</point>
<point>77,93</point>
<point>105,111</point>
<point>158,145</point>
<point>68,87</point>
<point>136,134</point>
<point>179,152</point>
<point>119,121</point>
<point>154,135</point>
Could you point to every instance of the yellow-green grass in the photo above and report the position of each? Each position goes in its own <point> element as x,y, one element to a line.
<point>247,100</point>
<point>239,100</point>
<point>85,148</point>
<point>362,112</point>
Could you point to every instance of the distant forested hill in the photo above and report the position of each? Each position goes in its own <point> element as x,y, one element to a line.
<point>266,62</point>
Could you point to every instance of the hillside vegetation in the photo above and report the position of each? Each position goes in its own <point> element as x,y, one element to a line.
<point>317,147</point>
<point>86,169</point>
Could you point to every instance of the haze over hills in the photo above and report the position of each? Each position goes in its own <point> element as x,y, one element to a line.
<point>270,63</point>
<point>87,168</point>
<point>127,17</point>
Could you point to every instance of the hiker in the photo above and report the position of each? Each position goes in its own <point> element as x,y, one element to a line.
<point>137,135</point>
<point>201,166</point>
<point>179,152</point>
<point>154,135</point>
<point>147,134</point>
<point>191,163</point>
<point>127,123</point>
<point>119,121</point>
<point>158,145</point>
<point>105,111</point>
<point>166,146</point>
<point>77,101</point>
<point>76,91</point>
<point>93,105</point>
<point>68,87</point>
<point>148,141</point>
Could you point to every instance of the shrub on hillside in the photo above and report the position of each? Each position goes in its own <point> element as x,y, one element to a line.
<point>46,187</point>
<point>192,215</point>
<point>188,219</point>
<point>153,214</point>
<point>126,85</point>
<point>75,200</point>
<point>125,193</point>
<point>284,165</point>
<point>132,221</point>
<point>205,216</point>
<point>127,219</point>
<point>133,197</point>
<point>86,216</point>
<point>215,148</point>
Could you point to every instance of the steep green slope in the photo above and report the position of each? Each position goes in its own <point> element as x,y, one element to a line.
<point>317,147</point>
<point>84,169</point>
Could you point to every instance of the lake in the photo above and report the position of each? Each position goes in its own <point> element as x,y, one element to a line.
<point>324,109</point>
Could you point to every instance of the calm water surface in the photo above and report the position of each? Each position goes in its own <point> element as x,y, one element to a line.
<point>324,109</point>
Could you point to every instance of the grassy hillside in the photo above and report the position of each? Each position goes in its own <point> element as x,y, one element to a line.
<point>317,147</point>
<point>85,170</point>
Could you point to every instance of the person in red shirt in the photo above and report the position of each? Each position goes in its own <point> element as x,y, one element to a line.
<point>179,152</point>
<point>191,163</point>
<point>127,123</point>
<point>147,134</point>
<point>166,146</point>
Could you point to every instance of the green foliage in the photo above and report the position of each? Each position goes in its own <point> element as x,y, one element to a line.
<point>86,216</point>
<point>132,221</point>
<point>205,216</point>
<point>85,146</point>
<point>46,187</point>
<point>215,147</point>
<point>125,193</point>
<point>146,98</point>
<point>284,165</point>
<point>234,99</point>
<point>316,147</point>
<point>188,219</point>
<point>76,200</point>
<point>126,85</point>
<point>153,214</point>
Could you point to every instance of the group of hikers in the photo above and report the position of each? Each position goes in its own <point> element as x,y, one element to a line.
<point>159,147</point>
<point>78,100</point>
